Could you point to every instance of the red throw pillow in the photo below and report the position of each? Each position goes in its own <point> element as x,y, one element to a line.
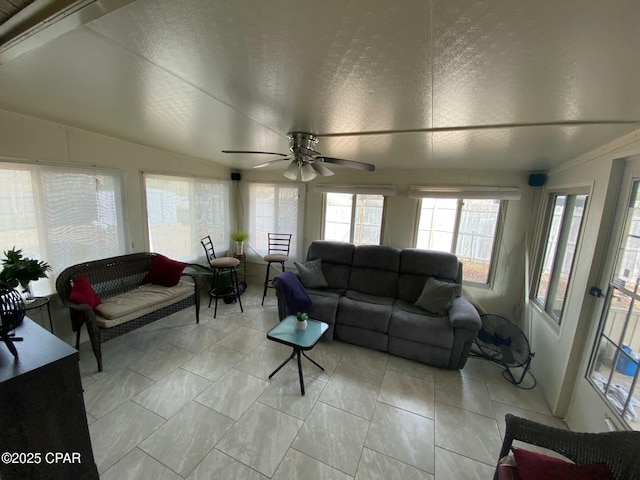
<point>164,271</point>
<point>536,466</point>
<point>83,292</point>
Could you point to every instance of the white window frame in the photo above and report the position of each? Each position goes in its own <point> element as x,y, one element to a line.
<point>254,251</point>
<point>354,205</point>
<point>545,230</point>
<point>497,236</point>
<point>220,233</point>
<point>46,218</point>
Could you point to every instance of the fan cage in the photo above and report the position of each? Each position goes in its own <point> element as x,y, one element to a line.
<point>502,342</point>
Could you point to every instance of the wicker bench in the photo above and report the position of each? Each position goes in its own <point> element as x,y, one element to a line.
<point>116,276</point>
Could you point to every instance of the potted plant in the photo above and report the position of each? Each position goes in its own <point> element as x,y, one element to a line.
<point>301,320</point>
<point>20,270</point>
<point>240,237</point>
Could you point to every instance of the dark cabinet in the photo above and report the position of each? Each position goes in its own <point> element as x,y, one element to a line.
<point>43,424</point>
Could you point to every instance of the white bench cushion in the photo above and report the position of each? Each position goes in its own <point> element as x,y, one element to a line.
<point>136,303</point>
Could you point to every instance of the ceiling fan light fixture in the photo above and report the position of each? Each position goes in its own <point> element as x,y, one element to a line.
<point>292,171</point>
<point>307,173</point>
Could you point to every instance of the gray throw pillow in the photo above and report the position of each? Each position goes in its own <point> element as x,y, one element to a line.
<point>311,275</point>
<point>437,296</point>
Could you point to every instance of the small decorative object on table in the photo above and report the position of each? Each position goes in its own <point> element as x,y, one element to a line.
<point>301,320</point>
<point>240,237</point>
<point>20,270</point>
<point>11,315</point>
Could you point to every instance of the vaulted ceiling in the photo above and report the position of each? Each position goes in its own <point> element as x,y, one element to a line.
<point>412,84</point>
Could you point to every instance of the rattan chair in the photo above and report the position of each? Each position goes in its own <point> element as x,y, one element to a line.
<point>219,267</point>
<point>279,244</point>
<point>620,451</point>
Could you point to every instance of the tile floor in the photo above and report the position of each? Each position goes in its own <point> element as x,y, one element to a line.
<point>179,400</point>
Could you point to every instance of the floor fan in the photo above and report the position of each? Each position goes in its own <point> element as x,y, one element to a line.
<point>502,342</point>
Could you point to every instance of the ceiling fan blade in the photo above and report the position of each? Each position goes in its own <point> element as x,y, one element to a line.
<point>348,163</point>
<point>252,151</point>
<point>266,164</point>
<point>321,169</point>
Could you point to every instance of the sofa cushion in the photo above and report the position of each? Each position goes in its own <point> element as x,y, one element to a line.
<point>365,311</point>
<point>311,274</point>
<point>416,266</point>
<point>164,271</point>
<point>437,295</point>
<point>336,261</point>
<point>375,270</point>
<point>145,299</point>
<point>413,323</point>
<point>325,305</point>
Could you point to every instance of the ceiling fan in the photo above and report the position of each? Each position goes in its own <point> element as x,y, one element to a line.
<point>305,161</point>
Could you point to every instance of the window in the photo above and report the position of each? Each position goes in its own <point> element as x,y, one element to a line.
<point>614,368</point>
<point>355,218</point>
<point>563,226</point>
<point>182,210</point>
<point>61,215</point>
<point>466,227</point>
<point>274,208</point>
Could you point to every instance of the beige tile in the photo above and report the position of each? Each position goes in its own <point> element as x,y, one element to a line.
<point>197,339</point>
<point>502,409</point>
<point>408,393</point>
<point>463,392</point>
<point>116,353</point>
<point>118,432</point>
<point>169,395</point>
<point>213,363</point>
<point>351,393</point>
<point>283,394</point>
<point>333,436</point>
<point>467,433</point>
<point>233,393</point>
<point>218,466</point>
<point>366,363</point>
<point>327,356</point>
<point>242,339</point>
<point>136,465</point>
<point>263,360</point>
<point>375,466</point>
<point>113,390</point>
<point>303,467</point>
<point>224,323</point>
<point>90,419</point>
<point>418,370</point>
<point>450,465</point>
<point>402,435</point>
<point>505,392</point>
<point>161,361</point>
<point>474,369</point>
<point>261,438</point>
<point>182,442</point>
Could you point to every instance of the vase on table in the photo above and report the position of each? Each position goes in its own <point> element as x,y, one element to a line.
<point>240,248</point>
<point>301,320</point>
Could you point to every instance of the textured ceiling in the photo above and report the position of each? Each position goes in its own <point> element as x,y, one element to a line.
<point>205,75</point>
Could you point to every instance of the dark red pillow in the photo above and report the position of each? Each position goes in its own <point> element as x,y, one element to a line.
<point>536,466</point>
<point>164,271</point>
<point>83,292</point>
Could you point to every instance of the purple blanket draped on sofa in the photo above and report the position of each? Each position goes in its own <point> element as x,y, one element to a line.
<point>295,296</point>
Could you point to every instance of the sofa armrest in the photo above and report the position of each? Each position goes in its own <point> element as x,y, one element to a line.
<point>463,314</point>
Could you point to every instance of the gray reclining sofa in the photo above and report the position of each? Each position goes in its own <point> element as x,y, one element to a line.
<point>370,301</point>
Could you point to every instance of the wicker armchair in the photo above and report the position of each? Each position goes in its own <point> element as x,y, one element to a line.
<point>620,451</point>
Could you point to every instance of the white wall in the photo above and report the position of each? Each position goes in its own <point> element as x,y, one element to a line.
<point>559,350</point>
<point>27,139</point>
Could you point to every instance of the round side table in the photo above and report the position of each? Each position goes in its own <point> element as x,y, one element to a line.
<point>38,304</point>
